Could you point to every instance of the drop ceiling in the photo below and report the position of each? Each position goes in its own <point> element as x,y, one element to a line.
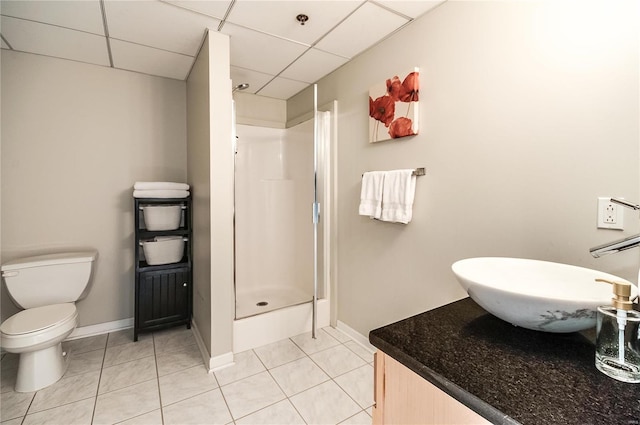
<point>270,49</point>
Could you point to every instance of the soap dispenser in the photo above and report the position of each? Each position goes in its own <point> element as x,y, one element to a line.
<point>618,336</point>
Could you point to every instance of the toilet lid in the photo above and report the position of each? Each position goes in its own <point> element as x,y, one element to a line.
<point>38,318</point>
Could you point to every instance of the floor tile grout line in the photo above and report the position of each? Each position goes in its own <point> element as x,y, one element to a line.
<point>356,414</point>
<point>177,349</point>
<point>286,396</point>
<point>351,397</point>
<point>181,370</point>
<point>226,403</point>
<point>344,373</point>
<point>285,363</point>
<point>155,360</point>
<point>189,398</point>
<point>237,380</point>
<point>128,361</point>
<point>24,417</point>
<point>55,407</point>
<point>331,378</point>
<point>354,351</point>
<point>104,356</point>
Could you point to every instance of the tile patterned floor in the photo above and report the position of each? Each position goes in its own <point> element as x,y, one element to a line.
<point>161,380</point>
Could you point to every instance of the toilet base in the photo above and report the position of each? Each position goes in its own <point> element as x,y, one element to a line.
<point>41,368</point>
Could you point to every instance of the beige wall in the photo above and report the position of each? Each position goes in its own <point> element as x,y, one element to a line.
<point>210,165</point>
<point>260,111</point>
<point>75,137</point>
<point>529,112</point>
<point>221,175</point>
<point>198,171</point>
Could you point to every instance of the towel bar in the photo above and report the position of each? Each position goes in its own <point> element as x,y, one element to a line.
<point>417,172</point>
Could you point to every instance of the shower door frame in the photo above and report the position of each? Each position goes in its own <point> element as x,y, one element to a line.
<point>328,173</point>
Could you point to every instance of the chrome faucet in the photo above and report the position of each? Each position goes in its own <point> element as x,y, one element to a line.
<point>621,244</point>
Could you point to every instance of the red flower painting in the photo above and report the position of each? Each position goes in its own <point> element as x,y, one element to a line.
<point>383,109</point>
<point>401,127</point>
<point>405,91</point>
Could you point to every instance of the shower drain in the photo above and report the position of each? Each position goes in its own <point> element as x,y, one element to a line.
<point>262,303</point>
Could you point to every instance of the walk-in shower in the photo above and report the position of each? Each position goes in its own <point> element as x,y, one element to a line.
<point>274,236</point>
<point>279,174</point>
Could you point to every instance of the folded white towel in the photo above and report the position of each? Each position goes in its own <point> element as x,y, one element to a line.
<point>168,193</point>
<point>160,186</point>
<point>371,194</point>
<point>398,192</point>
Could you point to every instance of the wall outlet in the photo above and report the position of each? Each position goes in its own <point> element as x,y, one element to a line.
<point>610,215</point>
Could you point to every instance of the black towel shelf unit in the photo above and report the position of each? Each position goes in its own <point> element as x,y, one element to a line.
<point>163,293</point>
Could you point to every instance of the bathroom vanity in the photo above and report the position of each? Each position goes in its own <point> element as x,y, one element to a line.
<point>458,364</point>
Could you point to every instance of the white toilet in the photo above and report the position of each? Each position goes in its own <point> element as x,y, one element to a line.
<point>46,286</point>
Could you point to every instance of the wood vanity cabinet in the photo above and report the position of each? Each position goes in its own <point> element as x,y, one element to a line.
<point>404,397</point>
<point>163,293</point>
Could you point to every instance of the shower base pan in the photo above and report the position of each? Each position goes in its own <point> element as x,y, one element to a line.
<point>275,325</point>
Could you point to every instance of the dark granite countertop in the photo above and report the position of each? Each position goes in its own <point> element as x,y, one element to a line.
<point>507,374</point>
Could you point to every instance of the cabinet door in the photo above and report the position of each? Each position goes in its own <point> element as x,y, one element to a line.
<point>403,397</point>
<point>163,297</point>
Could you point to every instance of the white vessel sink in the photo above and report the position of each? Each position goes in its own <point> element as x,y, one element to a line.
<point>538,295</point>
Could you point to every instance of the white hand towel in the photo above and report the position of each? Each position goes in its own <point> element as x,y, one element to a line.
<point>398,192</point>
<point>371,194</point>
<point>168,193</point>
<point>160,186</point>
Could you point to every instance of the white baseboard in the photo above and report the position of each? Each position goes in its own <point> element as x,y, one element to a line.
<point>220,362</point>
<point>210,363</point>
<point>356,336</point>
<point>101,328</point>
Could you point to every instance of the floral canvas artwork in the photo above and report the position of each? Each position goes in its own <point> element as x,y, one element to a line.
<point>393,108</point>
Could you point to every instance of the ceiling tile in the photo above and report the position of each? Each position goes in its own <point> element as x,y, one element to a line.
<point>84,15</point>
<point>215,8</point>
<point>50,40</point>
<point>361,30</point>
<point>410,8</point>
<point>134,57</point>
<point>161,37</point>
<point>255,79</point>
<point>282,88</point>
<point>279,17</point>
<point>313,65</point>
<point>157,24</point>
<point>258,51</point>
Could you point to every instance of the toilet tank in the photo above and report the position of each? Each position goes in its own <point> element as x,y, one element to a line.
<point>49,279</point>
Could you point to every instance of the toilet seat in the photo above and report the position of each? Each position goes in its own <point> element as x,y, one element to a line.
<point>38,327</point>
<point>34,320</point>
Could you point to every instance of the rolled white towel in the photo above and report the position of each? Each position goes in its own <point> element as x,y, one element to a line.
<point>160,186</point>
<point>168,193</point>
